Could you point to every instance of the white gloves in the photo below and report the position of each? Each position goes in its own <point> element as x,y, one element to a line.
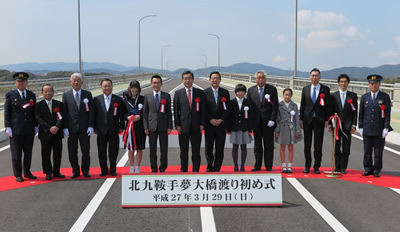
<point>385,132</point>
<point>36,130</point>
<point>361,131</point>
<point>9,131</point>
<point>90,131</point>
<point>271,124</point>
<point>66,132</point>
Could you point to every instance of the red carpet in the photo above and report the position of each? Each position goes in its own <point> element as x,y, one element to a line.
<point>9,183</point>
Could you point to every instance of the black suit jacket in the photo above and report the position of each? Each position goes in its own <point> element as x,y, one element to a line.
<point>105,121</point>
<point>370,118</point>
<point>78,121</point>
<point>264,111</point>
<point>348,117</point>
<point>21,121</point>
<point>237,120</point>
<point>185,116</point>
<point>47,119</point>
<point>153,118</point>
<point>216,111</point>
<point>307,107</point>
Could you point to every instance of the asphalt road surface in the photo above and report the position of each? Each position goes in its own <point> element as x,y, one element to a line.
<point>309,204</point>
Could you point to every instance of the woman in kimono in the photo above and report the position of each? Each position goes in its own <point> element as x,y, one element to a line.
<point>287,131</point>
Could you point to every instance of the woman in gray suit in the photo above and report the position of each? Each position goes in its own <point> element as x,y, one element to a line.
<point>287,131</point>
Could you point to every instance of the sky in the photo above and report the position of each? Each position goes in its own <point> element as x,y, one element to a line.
<point>331,34</point>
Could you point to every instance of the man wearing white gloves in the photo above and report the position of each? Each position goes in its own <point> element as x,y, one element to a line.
<point>20,124</point>
<point>78,124</point>
<point>264,98</point>
<point>374,125</point>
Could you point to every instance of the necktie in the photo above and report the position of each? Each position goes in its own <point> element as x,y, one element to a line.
<point>23,96</point>
<point>374,97</point>
<point>77,101</point>
<point>189,98</point>
<point>261,93</point>
<point>314,95</point>
<point>343,99</point>
<point>216,96</point>
<point>107,103</point>
<point>157,101</point>
<point>49,105</point>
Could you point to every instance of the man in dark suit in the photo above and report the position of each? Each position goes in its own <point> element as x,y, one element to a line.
<point>78,124</point>
<point>217,103</point>
<point>190,117</point>
<point>346,106</point>
<point>314,115</point>
<point>374,125</point>
<point>20,124</point>
<point>109,122</point>
<point>49,116</point>
<point>264,99</point>
<point>157,122</point>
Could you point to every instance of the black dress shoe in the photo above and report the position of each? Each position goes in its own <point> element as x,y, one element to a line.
<point>113,174</point>
<point>316,171</point>
<point>48,177</point>
<point>306,170</point>
<point>376,174</point>
<point>269,169</point>
<point>75,175</point>
<point>336,170</point>
<point>255,169</point>
<point>103,174</point>
<point>367,173</point>
<point>59,175</point>
<point>183,170</point>
<point>19,179</point>
<point>343,171</point>
<point>209,170</point>
<point>162,170</point>
<point>87,174</point>
<point>155,170</point>
<point>32,177</point>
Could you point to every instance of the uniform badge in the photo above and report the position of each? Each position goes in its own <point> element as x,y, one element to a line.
<point>380,102</point>
<point>30,100</point>
<point>15,99</point>
<point>366,102</point>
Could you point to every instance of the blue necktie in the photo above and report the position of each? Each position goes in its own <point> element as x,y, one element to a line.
<point>261,93</point>
<point>216,96</point>
<point>314,95</point>
<point>343,99</point>
<point>157,100</point>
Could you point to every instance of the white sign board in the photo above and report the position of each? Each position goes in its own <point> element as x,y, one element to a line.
<point>202,190</point>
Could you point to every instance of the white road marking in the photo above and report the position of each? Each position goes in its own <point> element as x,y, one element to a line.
<point>4,148</point>
<point>207,219</point>
<point>91,208</point>
<point>396,190</point>
<point>321,210</point>
<point>386,148</point>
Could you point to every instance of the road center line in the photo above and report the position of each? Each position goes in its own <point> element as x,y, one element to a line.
<point>91,208</point>
<point>321,210</point>
<point>207,219</point>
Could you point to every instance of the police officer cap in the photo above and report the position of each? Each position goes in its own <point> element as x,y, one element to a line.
<point>21,76</point>
<point>374,78</point>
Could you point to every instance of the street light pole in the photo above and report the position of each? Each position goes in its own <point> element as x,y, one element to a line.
<point>139,34</point>
<point>79,36</point>
<point>219,67</point>
<point>162,56</point>
<point>205,63</point>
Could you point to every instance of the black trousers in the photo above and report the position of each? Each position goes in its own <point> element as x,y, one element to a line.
<point>112,140</point>
<point>214,135</point>
<point>84,141</point>
<point>19,144</point>
<point>163,136</point>
<point>264,134</point>
<point>342,150</point>
<point>195,139</point>
<point>375,144</point>
<point>317,128</point>
<point>55,144</point>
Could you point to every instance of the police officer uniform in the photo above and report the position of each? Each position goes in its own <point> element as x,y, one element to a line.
<point>20,123</point>
<point>374,125</point>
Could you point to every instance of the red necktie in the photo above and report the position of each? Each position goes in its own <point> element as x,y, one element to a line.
<point>189,98</point>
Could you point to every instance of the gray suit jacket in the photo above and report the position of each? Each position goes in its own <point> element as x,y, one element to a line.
<point>153,118</point>
<point>78,121</point>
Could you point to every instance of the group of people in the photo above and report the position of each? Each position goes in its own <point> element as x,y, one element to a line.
<point>135,116</point>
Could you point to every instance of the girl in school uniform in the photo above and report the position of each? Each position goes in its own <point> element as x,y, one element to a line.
<point>287,131</point>
<point>239,126</point>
